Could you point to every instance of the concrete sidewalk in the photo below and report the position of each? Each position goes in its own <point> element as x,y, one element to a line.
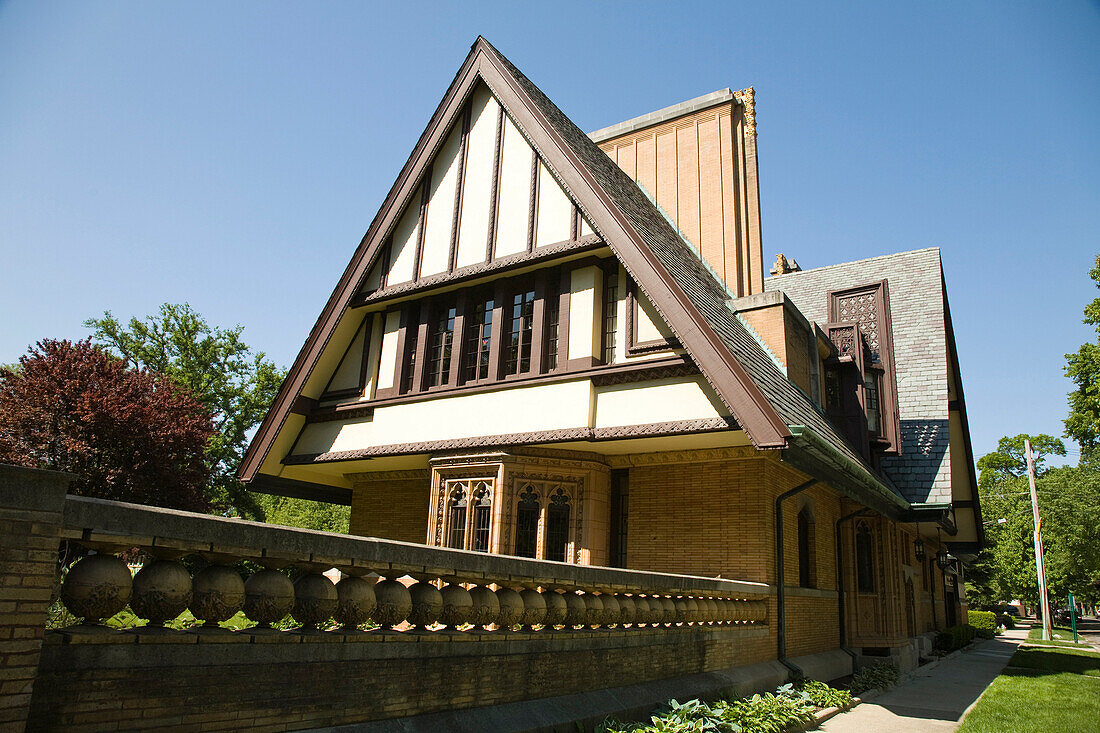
<point>934,699</point>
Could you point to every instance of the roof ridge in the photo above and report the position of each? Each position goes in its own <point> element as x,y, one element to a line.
<point>859,261</point>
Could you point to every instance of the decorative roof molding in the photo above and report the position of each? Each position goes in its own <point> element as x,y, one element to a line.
<point>704,455</point>
<point>747,98</point>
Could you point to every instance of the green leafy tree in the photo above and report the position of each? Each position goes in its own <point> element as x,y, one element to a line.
<point>304,513</point>
<point>1083,368</point>
<point>235,384</point>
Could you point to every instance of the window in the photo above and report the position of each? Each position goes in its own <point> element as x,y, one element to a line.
<point>865,564</point>
<point>610,313</point>
<point>517,357</point>
<point>805,549</point>
<point>483,516</point>
<point>552,316</point>
<point>874,415</point>
<point>620,494</point>
<point>557,526</point>
<point>440,346</point>
<point>456,538</point>
<point>479,336</point>
<point>527,523</point>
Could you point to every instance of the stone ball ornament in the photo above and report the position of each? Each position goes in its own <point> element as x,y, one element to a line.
<point>427,604</point>
<point>534,608</point>
<point>355,601</point>
<point>611,609</point>
<point>393,603</point>
<point>217,593</point>
<point>556,607</point>
<point>486,606</point>
<point>458,606</point>
<point>594,617</point>
<point>314,600</point>
<point>96,587</point>
<point>511,608</point>
<point>576,613</point>
<point>268,597</point>
<point>627,609</point>
<point>668,615</point>
<point>161,591</point>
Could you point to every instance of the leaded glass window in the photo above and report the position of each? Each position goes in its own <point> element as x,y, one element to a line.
<point>456,537</point>
<point>520,329</point>
<point>440,346</point>
<point>527,523</point>
<point>557,526</point>
<point>610,314</point>
<point>479,336</point>
<point>483,516</point>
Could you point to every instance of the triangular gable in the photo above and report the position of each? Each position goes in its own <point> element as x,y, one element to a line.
<point>584,175</point>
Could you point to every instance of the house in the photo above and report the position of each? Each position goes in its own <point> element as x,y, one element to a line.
<point>566,346</point>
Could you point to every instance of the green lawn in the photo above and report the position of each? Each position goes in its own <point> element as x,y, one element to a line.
<point>1061,633</point>
<point>1041,691</point>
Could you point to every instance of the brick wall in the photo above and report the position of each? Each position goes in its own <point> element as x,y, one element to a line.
<point>392,509</point>
<point>31,503</point>
<point>208,683</point>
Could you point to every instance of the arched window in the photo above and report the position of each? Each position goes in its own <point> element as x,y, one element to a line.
<point>865,564</point>
<point>806,549</point>
<point>482,516</point>
<point>456,538</point>
<point>527,522</point>
<point>557,526</point>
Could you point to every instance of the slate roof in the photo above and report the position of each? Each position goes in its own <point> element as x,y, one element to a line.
<point>917,298</point>
<point>686,265</point>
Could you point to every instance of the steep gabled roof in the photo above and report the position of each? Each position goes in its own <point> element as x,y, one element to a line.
<point>666,268</point>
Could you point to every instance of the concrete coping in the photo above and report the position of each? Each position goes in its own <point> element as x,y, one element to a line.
<point>111,525</point>
<point>663,115</point>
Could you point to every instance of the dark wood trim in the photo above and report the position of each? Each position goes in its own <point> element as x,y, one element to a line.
<point>608,268</point>
<point>623,432</point>
<point>296,489</point>
<point>387,251</point>
<point>566,285</point>
<point>456,218</point>
<point>348,411</point>
<point>954,406</point>
<point>538,322</point>
<point>479,270</point>
<point>496,340</point>
<point>425,195</point>
<point>633,346</point>
<point>401,364</point>
<point>303,405</point>
<point>600,374</point>
<point>423,334</point>
<point>583,362</point>
<point>533,209</point>
<point>339,394</point>
<point>575,223</point>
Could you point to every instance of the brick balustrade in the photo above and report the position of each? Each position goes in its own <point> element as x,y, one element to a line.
<point>539,628</point>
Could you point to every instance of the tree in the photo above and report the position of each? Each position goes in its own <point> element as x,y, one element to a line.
<point>128,434</point>
<point>1069,503</point>
<point>304,513</point>
<point>1083,368</point>
<point>235,384</point>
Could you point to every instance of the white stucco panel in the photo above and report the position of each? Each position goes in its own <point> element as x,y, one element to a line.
<point>661,400</point>
<point>524,409</point>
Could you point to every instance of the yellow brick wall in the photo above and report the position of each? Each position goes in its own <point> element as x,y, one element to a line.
<point>395,509</point>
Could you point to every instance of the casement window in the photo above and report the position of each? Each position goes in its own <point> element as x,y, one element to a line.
<point>527,523</point>
<point>557,526</point>
<point>410,318</point>
<point>553,316</point>
<point>871,407</point>
<point>865,562</point>
<point>468,515</point>
<point>610,313</point>
<point>479,338</point>
<point>543,521</point>
<point>806,549</point>
<point>440,346</point>
<point>520,333</point>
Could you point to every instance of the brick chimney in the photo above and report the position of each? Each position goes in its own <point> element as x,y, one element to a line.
<point>697,159</point>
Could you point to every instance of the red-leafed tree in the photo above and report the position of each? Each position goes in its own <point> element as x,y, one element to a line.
<point>128,434</point>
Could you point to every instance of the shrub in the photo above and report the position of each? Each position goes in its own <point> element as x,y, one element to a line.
<point>955,637</point>
<point>984,622</point>
<point>1007,621</point>
<point>880,676</point>
<point>823,696</point>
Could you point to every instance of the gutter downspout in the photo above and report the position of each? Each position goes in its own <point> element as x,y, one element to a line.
<point>780,586</point>
<point>840,580</point>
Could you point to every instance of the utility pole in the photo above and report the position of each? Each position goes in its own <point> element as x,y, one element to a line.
<point>1040,565</point>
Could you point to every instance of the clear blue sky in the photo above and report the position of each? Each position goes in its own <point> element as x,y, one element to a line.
<point>231,155</point>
